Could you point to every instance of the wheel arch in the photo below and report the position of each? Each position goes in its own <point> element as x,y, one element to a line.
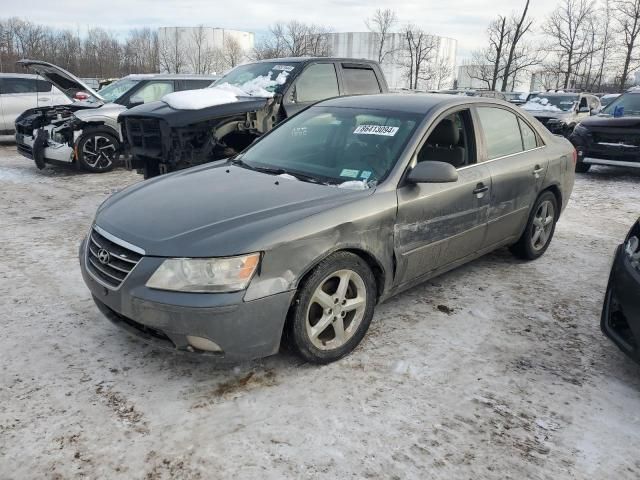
<point>555,189</point>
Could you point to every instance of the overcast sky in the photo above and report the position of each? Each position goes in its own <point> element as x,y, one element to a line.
<point>464,20</point>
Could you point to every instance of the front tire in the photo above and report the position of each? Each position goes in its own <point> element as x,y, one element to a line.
<point>333,309</point>
<point>98,151</point>
<point>540,228</point>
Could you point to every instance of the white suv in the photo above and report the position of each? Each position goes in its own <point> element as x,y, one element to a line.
<point>19,92</point>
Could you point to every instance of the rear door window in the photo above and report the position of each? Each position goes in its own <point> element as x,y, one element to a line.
<point>316,83</point>
<point>359,79</point>
<point>18,85</point>
<point>192,84</point>
<point>529,137</point>
<point>501,132</point>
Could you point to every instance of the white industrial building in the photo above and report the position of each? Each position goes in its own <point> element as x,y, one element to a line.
<point>208,40</point>
<point>365,45</point>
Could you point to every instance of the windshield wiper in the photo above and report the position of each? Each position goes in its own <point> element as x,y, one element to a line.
<point>278,171</point>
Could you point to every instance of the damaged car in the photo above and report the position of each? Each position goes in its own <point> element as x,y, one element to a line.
<point>342,206</point>
<point>187,129</point>
<point>621,312</point>
<point>560,112</point>
<point>611,138</point>
<point>87,132</point>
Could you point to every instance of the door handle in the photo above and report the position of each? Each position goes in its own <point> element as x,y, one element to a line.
<point>480,189</point>
<point>538,170</point>
<point>45,99</point>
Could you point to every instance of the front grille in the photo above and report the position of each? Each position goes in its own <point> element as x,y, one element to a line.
<point>109,262</point>
<point>144,133</point>
<point>616,138</point>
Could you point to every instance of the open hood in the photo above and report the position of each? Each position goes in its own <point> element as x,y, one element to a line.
<point>66,82</point>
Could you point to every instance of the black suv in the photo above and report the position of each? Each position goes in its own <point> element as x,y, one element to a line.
<point>187,128</point>
<point>612,137</point>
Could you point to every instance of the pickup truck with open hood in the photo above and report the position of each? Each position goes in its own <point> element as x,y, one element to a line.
<point>87,132</point>
<point>192,128</point>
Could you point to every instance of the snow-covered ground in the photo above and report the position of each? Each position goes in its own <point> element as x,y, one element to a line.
<point>496,370</point>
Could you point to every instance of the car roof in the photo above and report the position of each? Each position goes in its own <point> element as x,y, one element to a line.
<point>403,102</point>
<point>169,76</point>
<point>314,59</point>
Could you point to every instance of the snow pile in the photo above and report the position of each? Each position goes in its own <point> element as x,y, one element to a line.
<point>198,99</point>
<point>261,86</point>
<point>355,185</point>
<point>539,104</point>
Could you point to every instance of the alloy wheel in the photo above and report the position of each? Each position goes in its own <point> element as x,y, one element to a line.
<point>336,309</point>
<point>99,152</point>
<point>542,225</point>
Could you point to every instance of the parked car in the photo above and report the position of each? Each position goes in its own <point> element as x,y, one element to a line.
<point>20,92</point>
<point>87,132</point>
<point>475,93</point>
<point>612,137</point>
<point>517,98</point>
<point>605,100</point>
<point>347,203</point>
<point>621,312</point>
<point>560,112</point>
<point>189,129</point>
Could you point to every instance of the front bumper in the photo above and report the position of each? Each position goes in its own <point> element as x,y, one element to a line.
<point>603,153</point>
<point>621,311</point>
<point>243,330</point>
<point>47,150</point>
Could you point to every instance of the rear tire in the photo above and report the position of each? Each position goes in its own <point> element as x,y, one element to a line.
<point>333,309</point>
<point>540,228</point>
<point>98,151</point>
<point>582,167</point>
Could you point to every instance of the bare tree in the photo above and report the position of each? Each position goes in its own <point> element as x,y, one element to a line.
<point>294,39</point>
<point>489,65</point>
<point>607,41</point>
<point>519,28</point>
<point>421,50</point>
<point>627,14</point>
<point>171,51</point>
<point>381,24</point>
<point>200,54</point>
<point>567,27</point>
<point>233,52</point>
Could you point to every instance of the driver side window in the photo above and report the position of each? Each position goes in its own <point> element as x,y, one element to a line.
<point>451,141</point>
<point>316,83</point>
<point>153,91</point>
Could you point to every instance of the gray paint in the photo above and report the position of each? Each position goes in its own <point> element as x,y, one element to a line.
<point>408,232</point>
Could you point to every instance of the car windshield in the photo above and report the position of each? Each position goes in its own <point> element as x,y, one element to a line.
<point>607,99</point>
<point>352,148</point>
<point>624,106</point>
<point>262,79</point>
<point>553,103</point>
<point>114,91</point>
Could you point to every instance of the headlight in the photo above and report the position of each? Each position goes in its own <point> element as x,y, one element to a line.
<point>205,275</point>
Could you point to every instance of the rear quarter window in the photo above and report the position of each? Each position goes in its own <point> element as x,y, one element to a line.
<point>360,80</point>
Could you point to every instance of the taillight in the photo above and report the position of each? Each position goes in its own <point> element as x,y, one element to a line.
<point>81,96</point>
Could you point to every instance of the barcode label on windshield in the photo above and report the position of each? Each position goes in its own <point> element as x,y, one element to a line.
<point>376,130</point>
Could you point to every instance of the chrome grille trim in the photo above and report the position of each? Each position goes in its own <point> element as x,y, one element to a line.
<point>121,260</point>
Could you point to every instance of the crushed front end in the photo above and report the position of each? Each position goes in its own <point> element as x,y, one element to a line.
<point>621,312</point>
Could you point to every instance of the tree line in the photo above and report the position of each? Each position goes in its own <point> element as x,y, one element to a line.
<point>585,45</point>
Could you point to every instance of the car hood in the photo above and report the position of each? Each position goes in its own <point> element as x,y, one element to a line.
<point>109,110</point>
<point>214,210</point>
<point>550,114</point>
<point>608,121</point>
<point>65,81</point>
<point>181,118</point>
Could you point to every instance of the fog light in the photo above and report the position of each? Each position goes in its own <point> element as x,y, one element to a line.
<point>204,344</point>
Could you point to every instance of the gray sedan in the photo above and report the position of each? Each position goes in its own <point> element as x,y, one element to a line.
<point>344,205</point>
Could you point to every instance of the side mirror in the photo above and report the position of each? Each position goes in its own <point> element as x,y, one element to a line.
<point>135,101</point>
<point>433,172</point>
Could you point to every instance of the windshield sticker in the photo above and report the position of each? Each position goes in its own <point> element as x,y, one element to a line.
<point>299,132</point>
<point>365,174</point>
<point>283,68</point>
<point>349,173</point>
<point>376,130</point>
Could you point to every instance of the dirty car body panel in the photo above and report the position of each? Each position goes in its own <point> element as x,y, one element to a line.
<point>406,232</point>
